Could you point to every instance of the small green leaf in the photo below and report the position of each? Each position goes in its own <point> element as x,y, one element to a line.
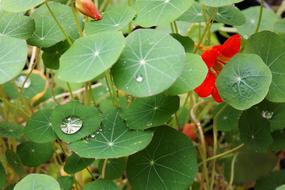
<point>115,18</point>
<point>37,182</point>
<point>19,5</point>
<point>193,75</point>
<point>91,56</point>
<point>14,161</point>
<point>230,15</point>
<point>74,121</point>
<point>252,14</point>
<point>38,128</point>
<point>65,182</point>
<point>33,154</point>
<point>194,14</point>
<point>169,162</point>
<point>150,112</point>
<point>270,47</point>
<point>101,184</point>
<point>187,42</point>
<point>219,3</point>
<point>11,130</point>
<point>47,33</point>
<point>244,81</point>
<point>16,25</point>
<point>75,164</point>
<point>113,140</point>
<point>271,181</point>
<point>150,63</point>
<point>114,168</point>
<point>13,57</point>
<point>255,130</point>
<point>153,13</point>
<point>2,176</point>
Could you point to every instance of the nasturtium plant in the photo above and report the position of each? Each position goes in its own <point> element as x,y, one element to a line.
<point>142,94</point>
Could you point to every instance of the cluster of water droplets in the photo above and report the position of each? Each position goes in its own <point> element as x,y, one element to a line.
<point>21,80</point>
<point>93,136</point>
<point>267,114</point>
<point>71,125</point>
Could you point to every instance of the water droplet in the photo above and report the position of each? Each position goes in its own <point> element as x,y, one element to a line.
<point>97,132</point>
<point>20,81</point>
<point>100,129</point>
<point>71,125</point>
<point>267,114</point>
<point>139,78</point>
<point>93,136</point>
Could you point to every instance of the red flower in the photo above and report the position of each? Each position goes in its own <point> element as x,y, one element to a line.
<point>215,58</point>
<point>88,8</point>
<point>189,130</point>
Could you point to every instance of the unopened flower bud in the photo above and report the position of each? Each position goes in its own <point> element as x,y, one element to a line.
<point>88,8</point>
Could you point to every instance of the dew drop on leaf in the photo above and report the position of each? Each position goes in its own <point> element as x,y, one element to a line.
<point>71,125</point>
<point>267,114</point>
<point>20,81</point>
<point>139,78</point>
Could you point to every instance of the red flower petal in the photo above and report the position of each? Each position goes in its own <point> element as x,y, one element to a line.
<point>210,57</point>
<point>231,46</point>
<point>206,88</point>
<point>88,8</point>
<point>189,130</point>
<point>216,95</point>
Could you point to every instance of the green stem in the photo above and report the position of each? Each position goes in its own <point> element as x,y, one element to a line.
<point>58,23</point>
<point>77,21</point>
<point>207,27</point>
<point>103,174</point>
<point>112,89</point>
<point>70,90</point>
<point>260,15</point>
<point>232,176</point>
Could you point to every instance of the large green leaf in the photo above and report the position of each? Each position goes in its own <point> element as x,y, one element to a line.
<point>219,3</point>
<point>16,25</point>
<point>47,32</point>
<point>194,14</point>
<point>255,130</point>
<point>150,63</point>
<point>91,56</point>
<point>74,163</point>
<point>271,181</point>
<point>230,15</point>
<point>252,14</point>
<point>192,76</point>
<point>101,184</point>
<point>19,5</point>
<point>37,182</point>
<point>13,54</point>
<point>168,163</point>
<point>244,81</point>
<point>34,154</point>
<point>11,130</point>
<point>271,48</point>
<point>38,128</point>
<point>158,12</point>
<point>2,176</point>
<point>114,168</point>
<point>115,18</point>
<point>113,140</point>
<point>74,121</point>
<point>150,112</point>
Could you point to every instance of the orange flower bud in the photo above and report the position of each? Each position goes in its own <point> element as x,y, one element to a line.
<point>189,130</point>
<point>88,8</point>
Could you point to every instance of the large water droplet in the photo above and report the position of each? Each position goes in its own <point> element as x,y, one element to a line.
<point>20,81</point>
<point>71,125</point>
<point>267,114</point>
<point>139,78</point>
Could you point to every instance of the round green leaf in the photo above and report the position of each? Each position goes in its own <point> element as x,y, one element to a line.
<point>19,5</point>
<point>101,184</point>
<point>33,154</point>
<point>230,15</point>
<point>252,14</point>
<point>14,161</point>
<point>282,187</point>
<point>16,25</point>
<point>13,54</point>
<point>169,162</point>
<point>255,130</point>
<point>91,56</point>
<point>153,13</point>
<point>194,14</point>
<point>2,176</point>
<point>150,112</point>
<point>270,47</point>
<point>271,181</point>
<point>244,81</point>
<point>150,63</point>
<point>114,168</point>
<point>187,42</point>
<point>11,130</point>
<point>89,117</point>
<point>75,164</point>
<point>47,32</point>
<point>115,18</point>
<point>192,76</point>
<point>38,128</point>
<point>113,140</point>
<point>37,182</point>
<point>219,3</point>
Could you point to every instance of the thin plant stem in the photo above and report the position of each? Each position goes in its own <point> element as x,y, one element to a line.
<point>103,174</point>
<point>232,176</point>
<point>70,90</point>
<point>207,27</point>
<point>260,15</point>
<point>77,21</point>
<point>112,89</point>
<point>177,121</point>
